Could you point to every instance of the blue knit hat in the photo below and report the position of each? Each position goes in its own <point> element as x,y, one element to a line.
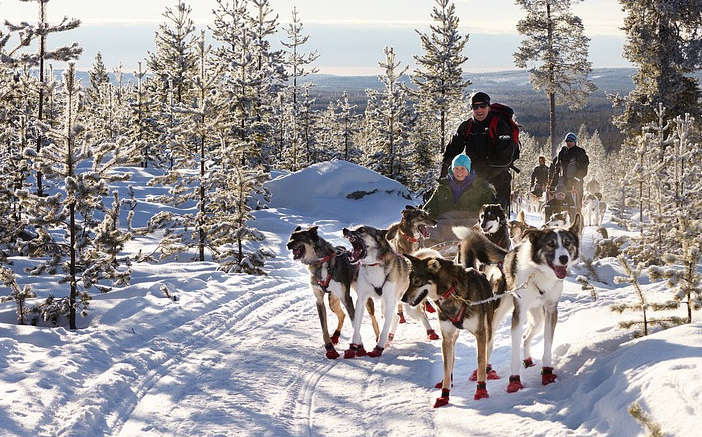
<point>461,160</point>
<point>570,136</point>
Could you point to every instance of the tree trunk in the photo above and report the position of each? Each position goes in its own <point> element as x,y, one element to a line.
<point>551,78</point>
<point>42,51</point>
<point>552,123</point>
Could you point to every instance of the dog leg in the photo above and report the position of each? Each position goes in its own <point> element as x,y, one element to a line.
<point>551,316</point>
<point>481,341</point>
<point>335,306</point>
<point>418,314</point>
<point>370,306</point>
<point>536,320</point>
<point>449,335</point>
<point>389,307</point>
<point>322,313</point>
<point>514,381</point>
<point>356,348</point>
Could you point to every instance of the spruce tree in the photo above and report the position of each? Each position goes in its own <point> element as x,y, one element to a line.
<point>349,127</point>
<point>555,51</point>
<point>663,40</point>
<point>439,73</point>
<point>98,79</point>
<point>17,294</point>
<point>41,31</point>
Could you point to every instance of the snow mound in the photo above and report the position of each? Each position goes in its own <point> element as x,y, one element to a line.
<point>340,190</point>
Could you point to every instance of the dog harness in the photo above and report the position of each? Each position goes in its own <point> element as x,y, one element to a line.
<point>458,318</point>
<point>325,283</point>
<point>378,290</point>
<point>408,237</point>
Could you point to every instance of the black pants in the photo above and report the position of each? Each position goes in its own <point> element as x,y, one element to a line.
<point>502,182</point>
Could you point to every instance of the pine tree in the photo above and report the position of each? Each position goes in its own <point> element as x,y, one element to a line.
<point>663,40</point>
<point>349,127</point>
<point>297,62</point>
<point>439,73</point>
<point>41,31</point>
<point>643,305</point>
<point>20,296</point>
<point>555,50</point>
<point>81,167</point>
<point>98,79</point>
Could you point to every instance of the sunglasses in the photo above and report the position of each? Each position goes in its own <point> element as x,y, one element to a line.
<point>480,105</point>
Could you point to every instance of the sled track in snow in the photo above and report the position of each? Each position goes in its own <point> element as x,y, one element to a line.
<point>106,401</point>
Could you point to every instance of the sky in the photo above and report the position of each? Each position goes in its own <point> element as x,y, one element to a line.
<point>349,35</point>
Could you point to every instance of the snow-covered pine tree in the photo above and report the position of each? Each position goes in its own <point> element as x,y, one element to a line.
<point>143,122</point>
<point>174,61</point>
<point>98,79</point>
<point>81,166</point>
<point>189,179</point>
<point>555,50</point>
<point>297,62</point>
<point>17,294</point>
<point>663,40</point>
<point>308,132</point>
<point>423,159</point>
<point>41,31</point>
<point>642,303</point>
<point>326,132</point>
<point>348,121</point>
<point>439,73</point>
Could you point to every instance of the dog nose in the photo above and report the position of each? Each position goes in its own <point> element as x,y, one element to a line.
<point>563,259</point>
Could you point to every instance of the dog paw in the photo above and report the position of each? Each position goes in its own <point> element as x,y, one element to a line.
<point>335,337</point>
<point>528,362</point>
<point>481,392</point>
<point>515,384</point>
<point>332,354</point>
<point>547,375</point>
<point>491,374</point>
<point>443,400</point>
<point>432,335</point>
<point>376,352</point>
<point>354,350</point>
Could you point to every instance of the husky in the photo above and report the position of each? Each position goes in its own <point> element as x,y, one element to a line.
<point>537,268</point>
<point>492,222</point>
<point>381,273</point>
<point>557,220</point>
<point>517,228</point>
<point>466,301</point>
<point>331,272</point>
<point>593,209</point>
<point>405,237</point>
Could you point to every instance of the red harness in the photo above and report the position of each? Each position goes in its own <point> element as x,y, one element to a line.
<point>325,283</point>
<point>458,317</point>
<point>408,238</point>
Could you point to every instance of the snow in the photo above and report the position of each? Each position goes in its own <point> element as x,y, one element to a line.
<point>243,355</point>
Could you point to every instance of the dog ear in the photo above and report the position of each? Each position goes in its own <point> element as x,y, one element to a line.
<point>434,265</point>
<point>409,207</point>
<point>576,225</point>
<point>533,235</point>
<point>345,232</point>
<point>299,228</point>
<point>412,259</point>
<point>313,230</point>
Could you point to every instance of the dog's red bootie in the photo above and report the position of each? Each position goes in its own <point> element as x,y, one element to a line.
<point>402,317</point>
<point>376,352</point>
<point>547,375</point>
<point>491,374</point>
<point>515,384</point>
<point>481,391</point>
<point>441,383</point>
<point>443,400</point>
<point>429,307</point>
<point>432,335</point>
<point>354,350</point>
<point>332,354</point>
<point>335,337</point>
<point>528,362</point>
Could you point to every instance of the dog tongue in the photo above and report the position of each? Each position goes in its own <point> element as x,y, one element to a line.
<point>561,271</point>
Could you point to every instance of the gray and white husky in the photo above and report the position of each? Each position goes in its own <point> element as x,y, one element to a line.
<point>405,238</point>
<point>382,274</point>
<point>330,273</point>
<point>537,268</point>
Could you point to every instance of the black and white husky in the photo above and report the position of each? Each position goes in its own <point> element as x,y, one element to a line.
<point>492,222</point>
<point>537,268</point>
<point>382,274</point>
<point>330,273</point>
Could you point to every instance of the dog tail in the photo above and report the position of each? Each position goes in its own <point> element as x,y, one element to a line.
<point>521,217</point>
<point>476,247</point>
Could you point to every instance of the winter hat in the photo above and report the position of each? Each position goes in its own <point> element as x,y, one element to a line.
<point>570,136</point>
<point>480,97</point>
<point>461,160</point>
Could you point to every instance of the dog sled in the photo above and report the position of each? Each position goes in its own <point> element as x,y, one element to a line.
<point>558,201</point>
<point>442,239</point>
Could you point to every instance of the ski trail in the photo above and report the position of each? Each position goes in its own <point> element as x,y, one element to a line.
<point>105,401</point>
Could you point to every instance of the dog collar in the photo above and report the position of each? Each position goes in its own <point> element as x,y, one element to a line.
<point>326,258</point>
<point>449,293</point>
<point>408,238</point>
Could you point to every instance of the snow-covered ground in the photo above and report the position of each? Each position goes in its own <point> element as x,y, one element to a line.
<point>243,355</point>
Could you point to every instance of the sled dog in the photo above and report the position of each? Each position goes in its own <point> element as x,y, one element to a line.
<point>557,220</point>
<point>593,209</point>
<point>330,273</point>
<point>537,267</point>
<point>492,222</point>
<point>381,273</point>
<point>404,237</point>
<point>458,292</point>
<point>518,227</point>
